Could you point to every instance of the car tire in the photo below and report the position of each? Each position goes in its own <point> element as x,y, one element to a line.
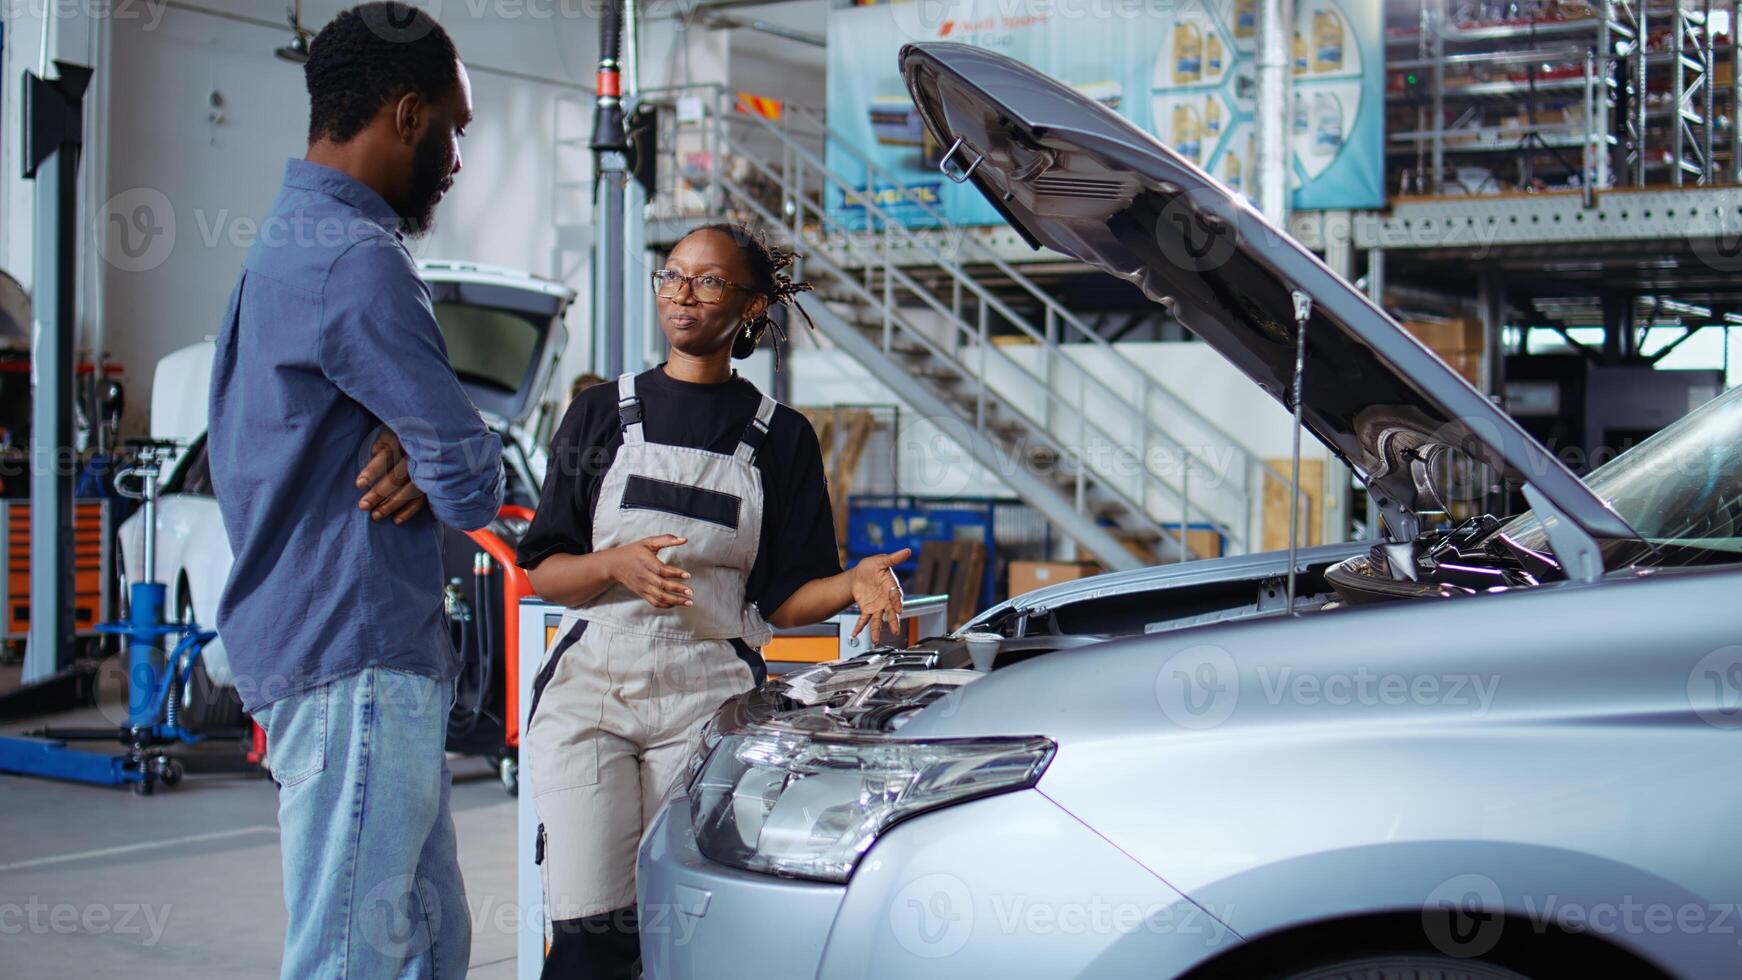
<point>1405,967</point>
<point>206,706</point>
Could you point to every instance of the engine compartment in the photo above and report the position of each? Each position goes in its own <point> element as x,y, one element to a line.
<point>877,693</point>
<point>1466,559</point>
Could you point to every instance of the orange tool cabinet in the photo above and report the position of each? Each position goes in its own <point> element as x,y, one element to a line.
<point>93,559</point>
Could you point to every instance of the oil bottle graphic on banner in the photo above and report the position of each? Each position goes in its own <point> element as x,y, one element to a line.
<point>1299,47</point>
<point>1231,171</point>
<point>1327,122</point>
<point>1245,18</point>
<point>1212,118</point>
<point>1327,41</point>
<point>1213,55</point>
<point>1188,53</point>
<point>1188,132</point>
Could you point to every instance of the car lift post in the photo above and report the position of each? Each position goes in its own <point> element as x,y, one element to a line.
<point>610,145</point>
<point>52,134</point>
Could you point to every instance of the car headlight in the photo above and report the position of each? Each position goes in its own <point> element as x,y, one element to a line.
<point>808,807</point>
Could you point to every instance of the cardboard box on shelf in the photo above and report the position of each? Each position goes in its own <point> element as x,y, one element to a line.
<point>1467,363</point>
<point>1460,333</point>
<point>1457,340</point>
<point>1026,576</point>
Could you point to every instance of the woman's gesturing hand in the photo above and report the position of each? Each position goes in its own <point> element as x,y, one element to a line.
<point>878,593</point>
<point>636,567</point>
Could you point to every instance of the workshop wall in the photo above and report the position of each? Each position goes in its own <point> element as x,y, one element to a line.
<point>203,118</point>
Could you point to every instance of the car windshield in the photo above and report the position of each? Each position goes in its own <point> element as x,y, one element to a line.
<point>1681,489</point>
<point>488,345</point>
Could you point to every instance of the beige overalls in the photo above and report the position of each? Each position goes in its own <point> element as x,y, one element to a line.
<point>622,694</point>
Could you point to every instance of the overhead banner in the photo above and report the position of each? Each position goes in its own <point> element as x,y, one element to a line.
<point>1184,70</point>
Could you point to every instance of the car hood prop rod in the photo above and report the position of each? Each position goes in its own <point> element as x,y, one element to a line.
<point>1303,308</point>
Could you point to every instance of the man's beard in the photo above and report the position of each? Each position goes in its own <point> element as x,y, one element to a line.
<point>430,168</point>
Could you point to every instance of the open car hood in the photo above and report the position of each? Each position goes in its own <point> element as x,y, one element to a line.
<point>504,332</point>
<point>1071,174</point>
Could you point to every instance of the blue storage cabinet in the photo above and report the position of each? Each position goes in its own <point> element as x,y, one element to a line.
<point>880,523</point>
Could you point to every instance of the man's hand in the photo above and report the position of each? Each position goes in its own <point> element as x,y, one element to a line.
<point>636,567</point>
<point>878,593</point>
<point>386,482</point>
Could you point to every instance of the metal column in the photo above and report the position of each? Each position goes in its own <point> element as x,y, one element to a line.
<point>1491,307</point>
<point>1641,69</point>
<point>1375,292</point>
<point>636,310</point>
<point>1274,20</point>
<point>1735,98</point>
<point>611,171</point>
<point>1338,234</point>
<point>53,135</point>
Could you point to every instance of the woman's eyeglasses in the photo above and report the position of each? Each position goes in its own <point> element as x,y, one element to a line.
<point>706,289</point>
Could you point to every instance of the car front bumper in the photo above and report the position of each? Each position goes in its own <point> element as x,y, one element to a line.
<point>1009,885</point>
<point>704,921</point>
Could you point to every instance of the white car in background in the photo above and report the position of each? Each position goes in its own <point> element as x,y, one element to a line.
<point>505,334</point>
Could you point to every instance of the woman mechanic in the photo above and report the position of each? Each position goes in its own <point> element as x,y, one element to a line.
<point>683,512</point>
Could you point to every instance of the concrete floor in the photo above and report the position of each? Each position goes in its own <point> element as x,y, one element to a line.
<point>98,882</point>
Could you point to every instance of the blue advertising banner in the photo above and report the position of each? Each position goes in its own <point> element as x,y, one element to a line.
<point>1185,70</point>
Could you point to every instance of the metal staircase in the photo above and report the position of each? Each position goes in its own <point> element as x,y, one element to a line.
<point>1116,460</point>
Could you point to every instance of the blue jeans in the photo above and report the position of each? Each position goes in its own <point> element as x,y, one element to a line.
<point>371,877</point>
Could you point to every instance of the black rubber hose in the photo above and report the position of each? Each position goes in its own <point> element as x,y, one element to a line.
<point>608,132</point>
<point>478,640</point>
<point>611,34</point>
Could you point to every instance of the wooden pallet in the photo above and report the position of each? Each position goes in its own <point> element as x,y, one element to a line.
<point>953,567</point>
<point>854,426</point>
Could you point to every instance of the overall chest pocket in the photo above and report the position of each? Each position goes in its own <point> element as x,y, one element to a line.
<point>682,500</point>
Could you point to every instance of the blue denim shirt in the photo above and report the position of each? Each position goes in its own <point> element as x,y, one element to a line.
<point>330,335</point>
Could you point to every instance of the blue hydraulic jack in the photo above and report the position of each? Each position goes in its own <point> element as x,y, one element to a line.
<point>154,682</point>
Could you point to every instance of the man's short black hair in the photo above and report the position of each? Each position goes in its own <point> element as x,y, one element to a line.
<point>369,56</point>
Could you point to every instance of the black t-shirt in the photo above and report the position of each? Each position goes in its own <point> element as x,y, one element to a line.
<point>798,527</point>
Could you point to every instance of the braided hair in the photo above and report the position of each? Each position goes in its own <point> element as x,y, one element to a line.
<point>768,277</point>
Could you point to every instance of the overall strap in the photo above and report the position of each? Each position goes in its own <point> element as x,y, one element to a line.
<point>756,432</point>
<point>629,409</point>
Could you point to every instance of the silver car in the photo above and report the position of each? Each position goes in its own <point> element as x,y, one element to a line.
<point>1473,749</point>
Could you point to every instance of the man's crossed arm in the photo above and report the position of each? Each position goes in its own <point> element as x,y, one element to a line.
<point>386,482</point>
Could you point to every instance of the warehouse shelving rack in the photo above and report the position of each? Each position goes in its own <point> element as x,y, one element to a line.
<point>1562,94</point>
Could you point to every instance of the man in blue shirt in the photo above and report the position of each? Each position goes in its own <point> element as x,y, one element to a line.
<point>330,354</point>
